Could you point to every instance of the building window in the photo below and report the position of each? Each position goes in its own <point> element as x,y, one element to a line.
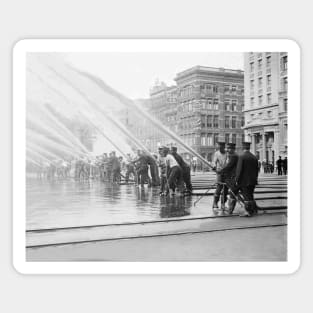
<point>269,114</point>
<point>285,105</point>
<point>227,104</point>
<point>187,91</point>
<point>285,84</point>
<point>233,122</point>
<point>203,140</point>
<point>226,138</point>
<point>215,104</point>
<point>284,63</point>
<point>202,121</point>
<point>251,84</point>
<point>215,88</point>
<point>226,88</point>
<point>215,121</point>
<point>269,98</point>
<point>260,64</point>
<point>260,100</point>
<point>227,121</point>
<point>215,139</point>
<point>252,67</point>
<point>242,121</point>
<point>210,139</point>
<point>233,138</point>
<point>209,121</point>
<point>252,101</point>
<point>268,80</point>
<point>233,88</point>
<point>190,107</point>
<point>234,105</point>
<point>268,61</point>
<point>260,82</point>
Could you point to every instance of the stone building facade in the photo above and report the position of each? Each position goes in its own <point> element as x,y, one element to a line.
<point>266,99</point>
<point>204,107</point>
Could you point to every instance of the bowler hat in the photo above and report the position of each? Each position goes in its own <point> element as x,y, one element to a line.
<point>246,145</point>
<point>231,145</point>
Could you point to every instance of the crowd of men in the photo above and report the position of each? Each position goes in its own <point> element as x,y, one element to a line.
<point>236,178</point>
<point>236,175</point>
<point>166,169</point>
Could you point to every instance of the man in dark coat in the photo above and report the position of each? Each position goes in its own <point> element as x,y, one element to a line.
<point>185,170</point>
<point>247,177</point>
<point>228,171</point>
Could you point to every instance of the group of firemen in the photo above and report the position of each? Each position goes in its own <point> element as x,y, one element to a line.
<point>236,175</point>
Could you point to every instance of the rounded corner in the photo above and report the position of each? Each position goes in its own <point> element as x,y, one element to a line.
<point>18,268</point>
<point>295,268</point>
<point>17,45</point>
<point>294,44</point>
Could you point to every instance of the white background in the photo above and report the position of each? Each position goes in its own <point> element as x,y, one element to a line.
<point>159,19</point>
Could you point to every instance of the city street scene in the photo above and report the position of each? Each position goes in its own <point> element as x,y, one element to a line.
<point>154,156</point>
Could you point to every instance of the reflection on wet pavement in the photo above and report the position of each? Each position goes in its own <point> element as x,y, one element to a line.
<point>69,203</point>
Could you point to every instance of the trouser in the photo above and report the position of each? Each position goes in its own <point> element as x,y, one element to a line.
<point>279,171</point>
<point>109,175</point>
<point>174,177</point>
<point>130,170</point>
<point>154,171</point>
<point>221,189</point>
<point>187,178</point>
<point>247,192</point>
<point>163,184</point>
<point>116,175</point>
<point>142,176</point>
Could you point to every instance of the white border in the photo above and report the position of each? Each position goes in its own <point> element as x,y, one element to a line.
<point>155,45</point>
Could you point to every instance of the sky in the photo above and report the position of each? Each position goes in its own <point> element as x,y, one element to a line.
<point>133,74</point>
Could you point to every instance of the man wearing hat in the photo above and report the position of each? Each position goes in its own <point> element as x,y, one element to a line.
<point>229,173</point>
<point>174,172</point>
<point>219,161</point>
<point>247,177</point>
<point>185,170</point>
<point>164,189</point>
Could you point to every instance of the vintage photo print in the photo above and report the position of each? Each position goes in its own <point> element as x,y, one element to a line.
<point>156,156</point>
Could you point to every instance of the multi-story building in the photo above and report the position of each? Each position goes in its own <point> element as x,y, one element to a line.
<point>204,107</point>
<point>210,104</point>
<point>266,104</point>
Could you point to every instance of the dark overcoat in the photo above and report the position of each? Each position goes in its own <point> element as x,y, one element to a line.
<point>247,169</point>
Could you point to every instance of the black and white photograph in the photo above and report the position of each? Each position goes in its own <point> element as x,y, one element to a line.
<point>152,152</point>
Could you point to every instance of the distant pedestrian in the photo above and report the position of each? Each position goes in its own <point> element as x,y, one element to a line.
<point>285,164</point>
<point>279,164</point>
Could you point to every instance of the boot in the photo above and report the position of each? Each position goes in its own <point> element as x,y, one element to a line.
<point>215,202</point>
<point>247,209</point>
<point>254,207</point>
<point>223,201</point>
<point>231,205</point>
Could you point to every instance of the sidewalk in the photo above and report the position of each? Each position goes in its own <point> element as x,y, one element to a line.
<point>261,238</point>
